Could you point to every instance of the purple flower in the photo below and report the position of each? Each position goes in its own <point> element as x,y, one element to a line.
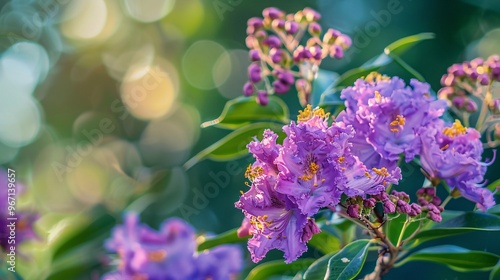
<point>310,161</point>
<point>23,220</point>
<point>276,222</point>
<point>386,114</point>
<point>167,254</point>
<point>453,153</point>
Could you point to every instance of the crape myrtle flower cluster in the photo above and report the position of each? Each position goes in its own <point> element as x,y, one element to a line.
<point>279,61</point>
<point>24,220</point>
<point>291,182</point>
<point>168,254</point>
<point>466,83</point>
<point>356,157</point>
<point>393,120</point>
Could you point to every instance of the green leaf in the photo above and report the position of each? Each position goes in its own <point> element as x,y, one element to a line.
<point>495,272</point>
<point>234,144</point>
<point>395,49</point>
<point>493,186</point>
<point>455,257</point>
<point>345,264</point>
<point>96,229</point>
<point>278,267</point>
<point>325,242</point>
<point>495,210</point>
<point>228,237</point>
<point>244,110</point>
<point>322,85</point>
<point>402,45</point>
<point>463,223</point>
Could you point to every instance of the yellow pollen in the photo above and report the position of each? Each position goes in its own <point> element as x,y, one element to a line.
<point>264,217</point>
<point>399,121</point>
<point>374,77</point>
<point>445,147</point>
<point>322,180</point>
<point>368,174</point>
<point>313,167</point>
<point>381,172</point>
<point>309,113</point>
<point>378,97</point>
<point>341,159</point>
<point>315,185</point>
<point>253,172</point>
<point>157,256</point>
<point>456,129</point>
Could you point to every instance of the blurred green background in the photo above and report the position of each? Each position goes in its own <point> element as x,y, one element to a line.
<point>102,101</point>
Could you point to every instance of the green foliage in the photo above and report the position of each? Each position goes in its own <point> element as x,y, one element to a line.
<point>228,237</point>
<point>244,110</point>
<point>345,264</point>
<point>463,223</point>
<point>391,53</point>
<point>495,272</point>
<point>233,145</point>
<point>272,268</point>
<point>455,257</point>
<point>325,242</point>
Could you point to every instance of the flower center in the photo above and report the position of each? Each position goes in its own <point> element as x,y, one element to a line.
<point>455,130</point>
<point>253,172</point>
<point>397,123</point>
<point>309,113</point>
<point>157,256</point>
<point>374,77</point>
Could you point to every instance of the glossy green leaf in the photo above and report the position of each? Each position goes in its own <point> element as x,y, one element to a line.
<point>234,144</point>
<point>322,88</point>
<point>402,45</point>
<point>228,237</point>
<point>463,223</point>
<point>345,264</point>
<point>495,272</point>
<point>95,230</point>
<point>455,257</point>
<point>495,210</point>
<point>325,242</point>
<point>244,110</point>
<point>493,186</point>
<point>394,49</point>
<point>279,267</point>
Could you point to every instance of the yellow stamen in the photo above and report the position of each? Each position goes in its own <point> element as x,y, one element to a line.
<point>374,77</point>
<point>445,147</point>
<point>253,172</point>
<point>157,256</point>
<point>381,172</point>
<point>399,121</point>
<point>378,97</point>
<point>455,130</point>
<point>309,113</point>
<point>368,174</point>
<point>341,159</point>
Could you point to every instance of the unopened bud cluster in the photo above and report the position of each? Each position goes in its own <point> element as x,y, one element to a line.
<point>430,203</point>
<point>396,202</point>
<point>279,61</point>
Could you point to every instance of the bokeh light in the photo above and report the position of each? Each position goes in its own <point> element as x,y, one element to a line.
<point>84,19</point>
<point>149,10</point>
<point>199,61</point>
<point>150,92</point>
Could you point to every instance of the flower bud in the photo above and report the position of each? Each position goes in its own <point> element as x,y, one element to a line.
<point>254,55</point>
<point>369,203</point>
<point>470,106</point>
<point>272,13</point>
<point>291,27</point>
<point>262,98</point>
<point>330,36</point>
<point>248,89</point>
<point>484,79</point>
<point>353,211</point>
<point>314,29</point>
<point>343,41</point>
<point>336,51</point>
<point>280,87</point>
<point>459,102</point>
<point>278,24</point>
<point>254,73</point>
<point>272,41</point>
<point>311,15</point>
<point>276,55</point>
<point>285,77</point>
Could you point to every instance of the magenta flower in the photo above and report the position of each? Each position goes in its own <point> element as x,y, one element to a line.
<point>23,220</point>
<point>310,161</point>
<point>453,153</point>
<point>387,114</point>
<point>274,220</point>
<point>167,254</point>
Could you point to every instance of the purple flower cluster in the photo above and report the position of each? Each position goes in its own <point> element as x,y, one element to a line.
<point>312,169</point>
<point>386,115</point>
<point>168,254</point>
<point>24,220</point>
<point>392,119</point>
<point>452,153</point>
<point>276,52</point>
<point>468,78</point>
<point>430,203</point>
